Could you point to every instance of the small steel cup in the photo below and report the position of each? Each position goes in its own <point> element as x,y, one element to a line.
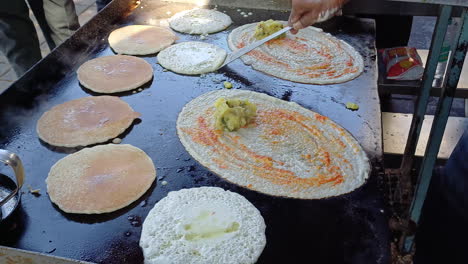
<point>12,160</point>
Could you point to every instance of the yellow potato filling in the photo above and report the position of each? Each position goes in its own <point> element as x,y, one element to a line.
<point>232,114</point>
<point>266,28</point>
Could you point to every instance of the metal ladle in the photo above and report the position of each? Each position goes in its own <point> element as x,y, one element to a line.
<point>12,160</point>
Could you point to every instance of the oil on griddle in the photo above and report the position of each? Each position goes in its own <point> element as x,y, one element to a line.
<point>348,229</point>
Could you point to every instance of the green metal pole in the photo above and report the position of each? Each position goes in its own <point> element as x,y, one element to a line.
<point>426,86</point>
<point>438,125</point>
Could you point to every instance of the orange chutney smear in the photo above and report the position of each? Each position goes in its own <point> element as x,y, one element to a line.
<point>325,53</point>
<point>322,66</point>
<point>326,158</point>
<point>210,137</point>
<point>240,45</point>
<point>221,163</point>
<point>321,118</point>
<point>287,42</point>
<point>262,56</point>
<point>267,58</point>
<point>313,71</point>
<point>261,165</point>
<point>276,119</point>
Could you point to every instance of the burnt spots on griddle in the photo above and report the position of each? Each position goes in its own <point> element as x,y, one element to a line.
<point>203,178</point>
<point>128,233</point>
<point>287,95</point>
<point>134,220</point>
<point>198,179</point>
<point>120,251</point>
<point>333,99</point>
<point>235,76</point>
<point>188,169</point>
<point>261,90</point>
<point>162,177</point>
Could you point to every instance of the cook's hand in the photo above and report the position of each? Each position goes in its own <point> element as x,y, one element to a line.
<point>306,12</point>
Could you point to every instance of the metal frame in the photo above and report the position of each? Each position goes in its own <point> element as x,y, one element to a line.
<point>441,115</point>
<point>387,87</point>
<point>440,2</point>
<point>426,86</point>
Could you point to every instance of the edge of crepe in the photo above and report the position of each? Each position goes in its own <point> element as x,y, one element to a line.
<point>131,87</point>
<point>202,33</point>
<point>151,215</point>
<point>109,210</point>
<point>232,47</point>
<point>193,74</point>
<point>89,144</point>
<point>154,51</point>
<point>367,169</point>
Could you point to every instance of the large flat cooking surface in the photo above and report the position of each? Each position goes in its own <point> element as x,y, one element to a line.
<point>346,229</point>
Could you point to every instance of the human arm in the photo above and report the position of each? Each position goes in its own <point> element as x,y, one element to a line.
<point>306,12</point>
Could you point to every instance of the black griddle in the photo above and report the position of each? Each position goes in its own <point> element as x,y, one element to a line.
<point>351,228</point>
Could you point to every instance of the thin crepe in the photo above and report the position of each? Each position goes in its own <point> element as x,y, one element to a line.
<point>113,74</point>
<point>192,58</point>
<point>141,39</point>
<point>203,225</point>
<point>85,121</point>
<point>200,21</point>
<point>100,179</point>
<point>311,56</point>
<point>288,151</point>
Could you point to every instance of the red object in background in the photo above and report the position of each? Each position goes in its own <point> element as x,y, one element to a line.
<point>402,63</point>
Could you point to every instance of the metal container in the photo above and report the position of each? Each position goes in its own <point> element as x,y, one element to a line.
<point>9,190</point>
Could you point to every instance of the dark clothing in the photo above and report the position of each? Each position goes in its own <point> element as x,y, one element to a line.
<point>442,232</point>
<point>392,30</point>
<point>61,18</point>
<point>37,8</point>
<point>19,41</point>
<point>18,36</point>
